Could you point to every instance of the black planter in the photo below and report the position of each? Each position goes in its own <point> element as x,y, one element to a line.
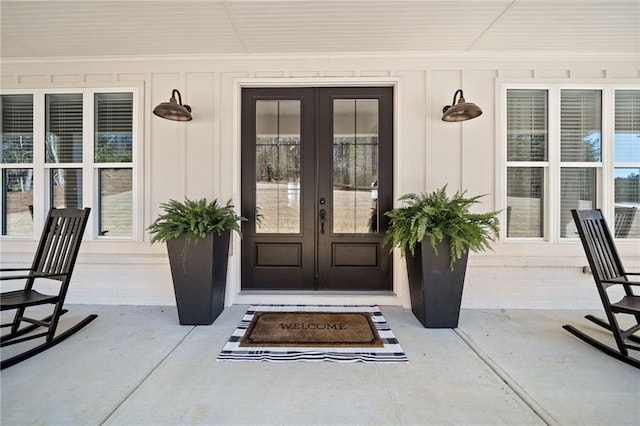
<point>199,272</point>
<point>435,289</point>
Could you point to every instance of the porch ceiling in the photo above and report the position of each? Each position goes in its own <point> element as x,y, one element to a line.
<point>108,28</point>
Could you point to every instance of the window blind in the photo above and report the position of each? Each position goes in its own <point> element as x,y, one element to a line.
<point>580,125</point>
<point>17,212</point>
<point>17,128</point>
<point>525,201</point>
<point>63,128</point>
<point>627,185</point>
<point>627,126</point>
<point>66,188</point>
<point>627,149</point>
<point>527,128</point>
<point>116,202</point>
<point>577,191</point>
<point>113,127</point>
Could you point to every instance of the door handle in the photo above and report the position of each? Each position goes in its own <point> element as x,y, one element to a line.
<point>323,215</point>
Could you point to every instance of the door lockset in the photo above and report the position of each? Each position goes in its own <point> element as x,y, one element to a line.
<point>323,215</point>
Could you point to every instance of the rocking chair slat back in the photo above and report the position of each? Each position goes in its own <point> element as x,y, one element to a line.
<point>58,249</point>
<point>599,246</point>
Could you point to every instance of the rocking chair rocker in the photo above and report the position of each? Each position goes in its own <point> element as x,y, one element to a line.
<point>608,272</point>
<point>54,260</point>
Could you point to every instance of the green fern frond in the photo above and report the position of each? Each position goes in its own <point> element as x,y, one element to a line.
<point>194,219</point>
<point>436,215</point>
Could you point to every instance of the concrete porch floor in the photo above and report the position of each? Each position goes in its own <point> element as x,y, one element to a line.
<point>135,365</point>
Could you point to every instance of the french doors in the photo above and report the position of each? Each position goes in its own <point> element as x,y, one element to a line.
<point>316,180</point>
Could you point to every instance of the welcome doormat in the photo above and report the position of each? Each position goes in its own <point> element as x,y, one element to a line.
<point>311,329</point>
<point>258,346</point>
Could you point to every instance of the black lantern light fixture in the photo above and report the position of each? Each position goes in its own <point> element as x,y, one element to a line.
<point>174,110</point>
<point>461,111</point>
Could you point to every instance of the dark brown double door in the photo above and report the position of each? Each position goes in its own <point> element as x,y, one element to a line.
<point>316,181</point>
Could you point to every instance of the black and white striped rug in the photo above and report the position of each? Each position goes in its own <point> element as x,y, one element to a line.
<point>390,352</point>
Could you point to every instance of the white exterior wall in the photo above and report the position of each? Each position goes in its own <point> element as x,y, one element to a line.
<point>201,159</point>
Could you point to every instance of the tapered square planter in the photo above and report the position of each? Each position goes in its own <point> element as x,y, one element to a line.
<point>199,272</point>
<point>435,289</point>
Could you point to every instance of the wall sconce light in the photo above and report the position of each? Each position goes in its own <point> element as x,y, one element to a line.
<point>461,111</point>
<point>174,110</point>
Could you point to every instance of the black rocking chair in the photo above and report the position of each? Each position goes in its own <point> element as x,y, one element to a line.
<point>54,260</point>
<point>608,272</point>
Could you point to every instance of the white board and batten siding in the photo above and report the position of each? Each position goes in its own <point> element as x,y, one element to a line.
<point>201,159</point>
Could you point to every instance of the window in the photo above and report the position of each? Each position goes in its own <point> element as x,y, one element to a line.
<point>560,157</point>
<point>82,156</point>
<point>580,153</point>
<point>17,162</point>
<point>527,161</point>
<point>627,163</point>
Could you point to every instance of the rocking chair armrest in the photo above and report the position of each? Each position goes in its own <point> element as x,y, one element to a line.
<point>4,276</point>
<point>31,275</point>
<point>621,281</point>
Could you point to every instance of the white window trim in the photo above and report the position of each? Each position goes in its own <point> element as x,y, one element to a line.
<point>605,168</point>
<point>90,169</point>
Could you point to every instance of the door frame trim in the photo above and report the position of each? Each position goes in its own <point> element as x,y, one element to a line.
<point>234,294</point>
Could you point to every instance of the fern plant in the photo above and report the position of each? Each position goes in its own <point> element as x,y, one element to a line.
<point>436,215</point>
<point>194,219</point>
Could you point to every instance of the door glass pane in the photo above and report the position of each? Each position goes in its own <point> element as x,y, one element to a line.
<point>525,202</point>
<point>63,128</point>
<point>113,127</point>
<point>355,166</point>
<point>17,128</point>
<point>66,188</point>
<point>18,202</point>
<point>580,125</point>
<point>627,203</point>
<point>278,166</point>
<point>116,202</point>
<point>577,191</point>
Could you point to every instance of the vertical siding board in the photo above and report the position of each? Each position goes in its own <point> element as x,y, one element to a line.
<point>201,158</point>
<point>444,138</point>
<point>478,138</point>
<point>410,147</point>
<point>229,147</point>
<point>165,144</point>
<point>217,135</point>
<point>200,136</point>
